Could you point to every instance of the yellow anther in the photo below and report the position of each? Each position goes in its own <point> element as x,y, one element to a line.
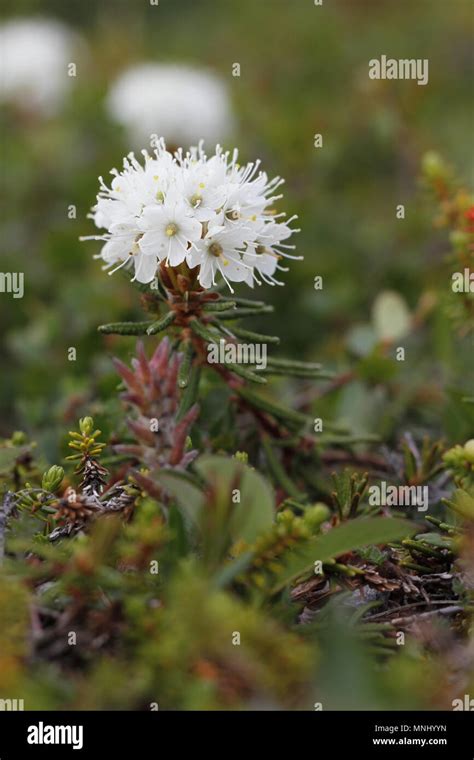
<point>171,229</point>
<point>215,249</point>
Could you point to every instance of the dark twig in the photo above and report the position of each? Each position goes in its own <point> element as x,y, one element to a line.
<point>6,510</point>
<point>432,603</point>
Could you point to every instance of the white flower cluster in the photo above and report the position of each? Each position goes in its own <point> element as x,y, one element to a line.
<point>35,53</point>
<point>183,104</point>
<point>211,213</point>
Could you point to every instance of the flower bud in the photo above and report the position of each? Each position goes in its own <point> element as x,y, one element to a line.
<point>86,425</point>
<point>52,478</point>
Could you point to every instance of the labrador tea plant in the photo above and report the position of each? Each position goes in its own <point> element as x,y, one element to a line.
<point>218,544</point>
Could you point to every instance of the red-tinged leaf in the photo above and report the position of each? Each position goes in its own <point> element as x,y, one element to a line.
<point>147,484</point>
<point>180,435</point>
<point>126,374</point>
<point>143,362</point>
<point>142,432</point>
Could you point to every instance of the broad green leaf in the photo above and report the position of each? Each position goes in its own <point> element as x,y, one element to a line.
<point>390,316</point>
<point>9,455</point>
<point>361,339</point>
<point>354,534</point>
<point>254,513</point>
<point>189,497</point>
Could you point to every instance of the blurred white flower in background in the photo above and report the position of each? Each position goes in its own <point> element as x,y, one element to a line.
<point>34,58</point>
<point>181,103</point>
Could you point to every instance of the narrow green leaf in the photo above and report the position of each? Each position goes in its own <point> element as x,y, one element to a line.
<point>249,302</point>
<point>185,367</point>
<point>280,412</point>
<point>190,395</point>
<point>219,305</point>
<point>292,364</point>
<point>238,313</point>
<point>125,328</point>
<point>162,324</point>
<point>297,372</point>
<point>239,332</point>
<point>208,335</point>
<point>247,374</point>
<point>232,569</point>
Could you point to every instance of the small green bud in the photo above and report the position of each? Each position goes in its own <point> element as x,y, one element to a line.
<point>469,450</point>
<point>52,478</point>
<point>433,166</point>
<point>285,517</point>
<point>18,438</point>
<point>86,425</point>
<point>275,567</point>
<point>241,456</point>
<point>457,456</point>
<point>258,579</point>
<point>316,514</point>
<point>301,530</point>
<point>459,239</point>
<point>131,489</point>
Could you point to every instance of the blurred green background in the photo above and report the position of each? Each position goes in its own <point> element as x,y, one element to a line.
<point>304,70</point>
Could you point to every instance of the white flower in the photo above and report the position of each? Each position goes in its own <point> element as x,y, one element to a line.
<point>203,187</point>
<point>169,231</point>
<point>123,247</point>
<point>217,252</point>
<point>267,249</point>
<point>211,213</point>
<point>35,53</point>
<point>179,102</point>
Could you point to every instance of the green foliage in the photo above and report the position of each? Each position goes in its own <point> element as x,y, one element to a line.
<point>190,599</point>
<point>341,540</point>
